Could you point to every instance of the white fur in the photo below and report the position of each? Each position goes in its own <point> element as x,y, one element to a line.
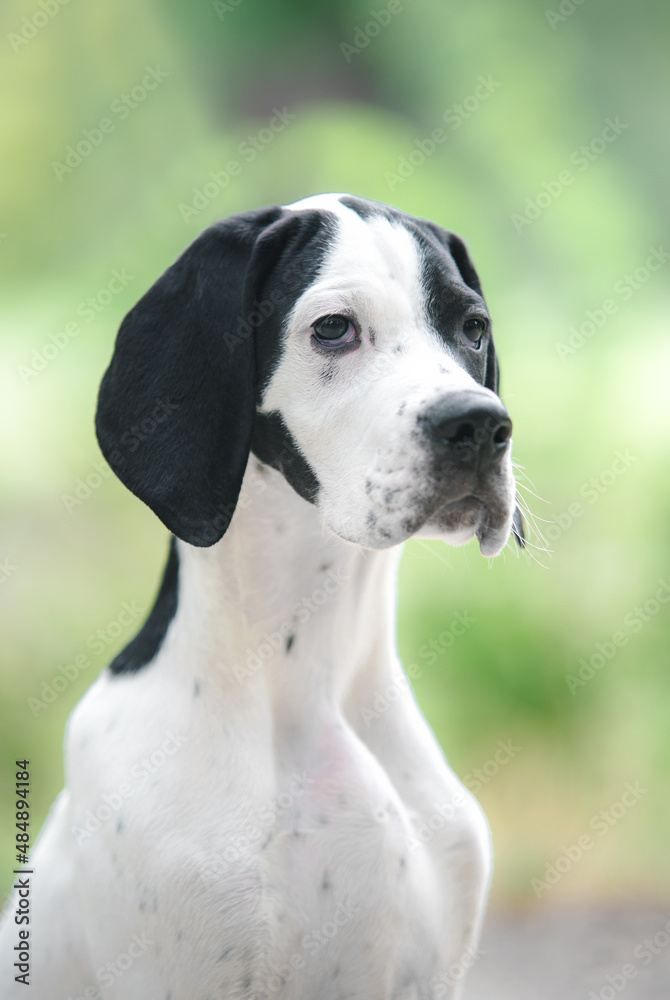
<point>297,832</point>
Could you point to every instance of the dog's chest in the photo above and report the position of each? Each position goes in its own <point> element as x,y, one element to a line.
<point>342,894</point>
<point>320,888</point>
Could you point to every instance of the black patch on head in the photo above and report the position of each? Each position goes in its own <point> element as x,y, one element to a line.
<point>449,277</point>
<point>143,648</point>
<point>367,209</point>
<point>286,261</point>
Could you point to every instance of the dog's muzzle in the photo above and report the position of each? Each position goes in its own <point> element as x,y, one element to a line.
<point>468,437</point>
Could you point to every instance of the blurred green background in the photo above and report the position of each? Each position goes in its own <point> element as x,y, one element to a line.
<point>562,212</point>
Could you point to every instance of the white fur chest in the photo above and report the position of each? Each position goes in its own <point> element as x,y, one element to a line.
<point>254,881</point>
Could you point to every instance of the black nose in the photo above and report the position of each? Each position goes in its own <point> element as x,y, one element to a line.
<point>470,428</point>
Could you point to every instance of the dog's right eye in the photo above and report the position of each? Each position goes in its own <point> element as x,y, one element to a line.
<point>332,331</point>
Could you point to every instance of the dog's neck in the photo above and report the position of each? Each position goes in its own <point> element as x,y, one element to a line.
<point>283,604</point>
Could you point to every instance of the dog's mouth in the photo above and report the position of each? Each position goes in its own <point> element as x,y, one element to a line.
<point>454,504</point>
<point>486,515</point>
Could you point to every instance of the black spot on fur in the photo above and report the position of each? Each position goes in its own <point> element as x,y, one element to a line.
<point>290,639</point>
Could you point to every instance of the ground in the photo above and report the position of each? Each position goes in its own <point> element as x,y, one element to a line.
<point>568,952</point>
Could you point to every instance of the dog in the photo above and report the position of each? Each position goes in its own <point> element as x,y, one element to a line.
<point>255,806</point>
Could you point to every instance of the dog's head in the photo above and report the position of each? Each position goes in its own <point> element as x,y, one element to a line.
<point>344,343</point>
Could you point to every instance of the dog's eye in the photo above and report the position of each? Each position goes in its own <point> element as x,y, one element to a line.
<point>474,329</point>
<point>331,331</point>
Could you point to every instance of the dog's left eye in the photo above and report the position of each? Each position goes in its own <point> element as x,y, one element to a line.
<point>474,329</point>
<point>332,331</point>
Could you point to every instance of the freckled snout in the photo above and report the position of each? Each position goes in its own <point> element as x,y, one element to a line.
<point>468,430</point>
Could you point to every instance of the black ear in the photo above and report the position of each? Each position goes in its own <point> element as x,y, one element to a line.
<point>461,256</point>
<point>463,261</point>
<point>176,405</point>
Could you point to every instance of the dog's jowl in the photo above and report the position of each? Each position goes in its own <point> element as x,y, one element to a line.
<point>303,390</point>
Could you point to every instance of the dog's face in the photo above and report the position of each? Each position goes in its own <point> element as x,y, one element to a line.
<point>344,343</point>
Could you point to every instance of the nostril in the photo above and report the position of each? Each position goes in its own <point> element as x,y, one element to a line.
<point>502,434</point>
<point>461,434</point>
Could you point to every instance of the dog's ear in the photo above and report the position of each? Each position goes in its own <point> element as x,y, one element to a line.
<point>177,403</point>
<point>463,261</point>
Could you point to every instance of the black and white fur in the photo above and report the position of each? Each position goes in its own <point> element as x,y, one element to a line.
<point>299,833</point>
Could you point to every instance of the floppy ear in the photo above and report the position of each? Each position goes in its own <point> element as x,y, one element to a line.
<point>176,405</point>
<point>463,261</point>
